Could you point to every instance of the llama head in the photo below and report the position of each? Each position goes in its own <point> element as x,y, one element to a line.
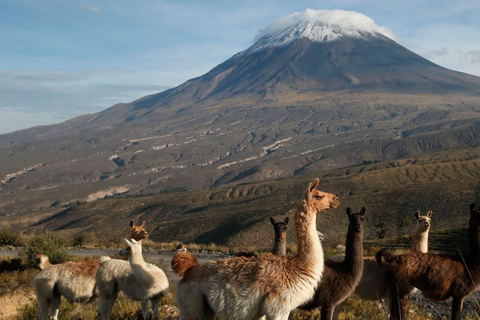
<point>319,200</point>
<point>355,220</point>
<point>423,222</point>
<point>321,236</point>
<point>138,232</point>
<point>474,216</point>
<point>133,248</point>
<point>280,228</point>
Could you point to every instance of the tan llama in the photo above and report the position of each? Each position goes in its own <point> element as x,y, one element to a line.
<point>249,288</point>
<point>374,284</point>
<point>73,280</point>
<point>439,277</point>
<point>137,279</point>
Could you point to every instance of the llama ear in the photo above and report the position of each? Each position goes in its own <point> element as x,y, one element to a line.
<point>313,185</point>
<point>285,221</point>
<point>129,242</point>
<point>417,214</point>
<point>472,207</point>
<point>134,242</point>
<point>362,212</point>
<point>349,211</point>
<point>143,224</point>
<point>132,223</point>
<point>429,213</point>
<point>272,221</point>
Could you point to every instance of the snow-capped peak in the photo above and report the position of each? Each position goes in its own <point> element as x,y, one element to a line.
<point>318,26</point>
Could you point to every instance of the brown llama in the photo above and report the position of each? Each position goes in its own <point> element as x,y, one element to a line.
<point>249,288</point>
<point>280,242</point>
<point>437,276</point>
<point>73,280</point>
<point>341,277</point>
<point>374,283</point>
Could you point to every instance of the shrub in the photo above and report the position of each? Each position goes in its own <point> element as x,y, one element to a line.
<point>10,238</point>
<point>49,245</point>
<point>81,240</point>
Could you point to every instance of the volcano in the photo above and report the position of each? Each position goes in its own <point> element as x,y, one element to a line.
<point>317,90</point>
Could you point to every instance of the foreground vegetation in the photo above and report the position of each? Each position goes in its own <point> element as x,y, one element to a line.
<point>16,277</point>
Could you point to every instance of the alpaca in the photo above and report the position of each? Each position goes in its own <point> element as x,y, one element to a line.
<point>249,288</point>
<point>137,279</point>
<point>373,284</point>
<point>280,242</point>
<point>437,276</point>
<point>341,277</point>
<point>73,280</point>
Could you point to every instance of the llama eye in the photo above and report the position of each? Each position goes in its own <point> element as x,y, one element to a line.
<point>318,196</point>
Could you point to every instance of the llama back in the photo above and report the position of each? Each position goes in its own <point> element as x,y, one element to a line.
<point>74,280</point>
<point>119,272</point>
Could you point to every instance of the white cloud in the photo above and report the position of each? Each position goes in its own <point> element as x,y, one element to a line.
<point>346,20</point>
<point>474,56</point>
<point>451,45</point>
<point>29,98</point>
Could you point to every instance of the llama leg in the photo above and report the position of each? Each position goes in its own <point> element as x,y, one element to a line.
<point>55,306</point>
<point>44,306</point>
<point>457,307</point>
<point>327,312</point>
<point>144,306</point>
<point>394,303</point>
<point>111,302</point>
<point>102,306</point>
<point>337,311</point>
<point>155,303</point>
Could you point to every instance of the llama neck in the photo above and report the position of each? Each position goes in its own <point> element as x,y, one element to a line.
<point>474,241</point>
<point>419,242</point>
<point>354,250</point>
<point>140,269</point>
<point>279,246</point>
<point>310,250</point>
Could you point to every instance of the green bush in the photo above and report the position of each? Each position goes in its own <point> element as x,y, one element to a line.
<point>49,245</point>
<point>10,238</point>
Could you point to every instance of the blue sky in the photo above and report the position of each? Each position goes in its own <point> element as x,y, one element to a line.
<point>60,59</point>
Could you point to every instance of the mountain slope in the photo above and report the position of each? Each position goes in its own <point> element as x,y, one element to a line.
<point>317,91</point>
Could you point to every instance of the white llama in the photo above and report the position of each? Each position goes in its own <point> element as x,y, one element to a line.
<point>73,280</point>
<point>374,283</point>
<point>249,288</point>
<point>137,279</point>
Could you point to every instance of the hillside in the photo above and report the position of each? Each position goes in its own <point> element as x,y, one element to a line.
<point>238,215</point>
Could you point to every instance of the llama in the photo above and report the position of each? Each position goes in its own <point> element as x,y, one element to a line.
<point>280,242</point>
<point>73,280</point>
<point>341,277</point>
<point>437,276</point>
<point>249,288</point>
<point>137,279</point>
<point>373,284</point>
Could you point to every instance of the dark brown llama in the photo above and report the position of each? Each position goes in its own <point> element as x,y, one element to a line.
<point>437,276</point>
<point>341,277</point>
<point>280,242</point>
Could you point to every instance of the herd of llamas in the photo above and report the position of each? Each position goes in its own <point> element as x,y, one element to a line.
<point>270,286</point>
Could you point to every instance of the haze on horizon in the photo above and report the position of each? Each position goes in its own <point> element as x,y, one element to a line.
<point>64,59</point>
